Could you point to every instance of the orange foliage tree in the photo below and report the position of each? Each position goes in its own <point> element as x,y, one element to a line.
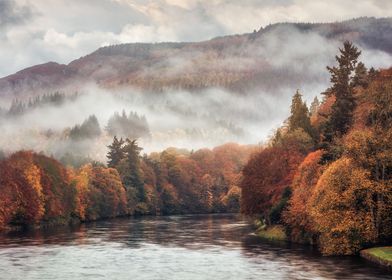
<point>297,216</point>
<point>22,188</point>
<point>269,172</point>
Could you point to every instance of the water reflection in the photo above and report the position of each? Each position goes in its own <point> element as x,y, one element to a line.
<point>175,247</point>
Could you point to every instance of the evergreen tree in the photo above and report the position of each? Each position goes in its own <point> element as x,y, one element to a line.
<point>342,80</point>
<point>299,117</point>
<point>116,152</point>
<point>17,108</point>
<point>130,126</point>
<point>87,130</point>
<point>361,76</point>
<point>314,107</point>
<point>133,176</point>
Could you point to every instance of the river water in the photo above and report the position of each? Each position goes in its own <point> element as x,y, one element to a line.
<point>176,247</point>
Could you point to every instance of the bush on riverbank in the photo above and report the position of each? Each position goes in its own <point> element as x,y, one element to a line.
<point>272,233</point>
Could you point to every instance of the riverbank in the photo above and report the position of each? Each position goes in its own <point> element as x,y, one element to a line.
<point>379,255</point>
<point>271,233</point>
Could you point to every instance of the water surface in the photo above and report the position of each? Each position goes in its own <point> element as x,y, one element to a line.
<point>176,247</point>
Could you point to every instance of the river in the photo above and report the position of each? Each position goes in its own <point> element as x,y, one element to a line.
<point>174,247</point>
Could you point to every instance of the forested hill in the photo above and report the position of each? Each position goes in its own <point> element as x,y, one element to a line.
<point>279,55</point>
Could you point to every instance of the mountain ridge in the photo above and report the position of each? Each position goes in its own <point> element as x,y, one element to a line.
<point>237,62</point>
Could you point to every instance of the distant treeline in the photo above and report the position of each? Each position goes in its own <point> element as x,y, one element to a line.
<point>36,189</point>
<point>19,107</point>
<point>122,125</point>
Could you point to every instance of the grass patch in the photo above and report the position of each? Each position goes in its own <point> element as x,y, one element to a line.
<point>380,255</point>
<point>273,233</point>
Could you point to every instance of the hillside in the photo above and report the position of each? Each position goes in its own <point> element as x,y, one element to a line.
<point>279,55</point>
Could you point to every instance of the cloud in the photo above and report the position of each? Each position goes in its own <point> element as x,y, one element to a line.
<point>11,13</point>
<point>180,118</point>
<point>64,30</point>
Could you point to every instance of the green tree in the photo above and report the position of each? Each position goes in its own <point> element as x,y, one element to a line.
<point>361,76</point>
<point>342,79</point>
<point>299,117</point>
<point>116,152</point>
<point>132,177</point>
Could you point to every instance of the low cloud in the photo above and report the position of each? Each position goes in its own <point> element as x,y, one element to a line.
<point>64,30</point>
<point>12,14</point>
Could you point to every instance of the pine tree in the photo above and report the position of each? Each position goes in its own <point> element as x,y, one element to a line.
<point>133,176</point>
<point>314,107</point>
<point>343,88</point>
<point>87,130</point>
<point>299,117</point>
<point>361,76</point>
<point>116,152</point>
<point>372,74</point>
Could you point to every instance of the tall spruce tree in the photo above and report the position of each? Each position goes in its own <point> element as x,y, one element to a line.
<point>361,76</point>
<point>116,152</point>
<point>342,79</point>
<point>133,176</point>
<point>299,117</point>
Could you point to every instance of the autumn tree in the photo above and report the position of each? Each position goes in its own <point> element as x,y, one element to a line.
<point>298,216</point>
<point>100,193</point>
<point>371,148</point>
<point>59,195</point>
<point>21,178</point>
<point>269,172</point>
<point>341,208</point>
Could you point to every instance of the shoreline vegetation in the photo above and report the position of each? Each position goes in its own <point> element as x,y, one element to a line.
<point>325,176</point>
<point>37,190</point>
<point>272,233</point>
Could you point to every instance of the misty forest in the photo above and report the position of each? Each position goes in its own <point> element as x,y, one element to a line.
<point>261,155</point>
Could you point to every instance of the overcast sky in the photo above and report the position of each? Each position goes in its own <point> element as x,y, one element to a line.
<point>38,31</point>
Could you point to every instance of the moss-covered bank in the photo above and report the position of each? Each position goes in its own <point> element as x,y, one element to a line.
<point>379,255</point>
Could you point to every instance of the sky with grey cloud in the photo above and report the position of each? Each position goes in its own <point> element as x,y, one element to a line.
<point>38,31</point>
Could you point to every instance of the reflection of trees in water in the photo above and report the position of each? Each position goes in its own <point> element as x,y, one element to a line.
<point>193,232</point>
<point>290,258</point>
<point>188,231</point>
<point>52,235</point>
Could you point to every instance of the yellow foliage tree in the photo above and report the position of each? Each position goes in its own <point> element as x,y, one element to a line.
<point>342,208</point>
